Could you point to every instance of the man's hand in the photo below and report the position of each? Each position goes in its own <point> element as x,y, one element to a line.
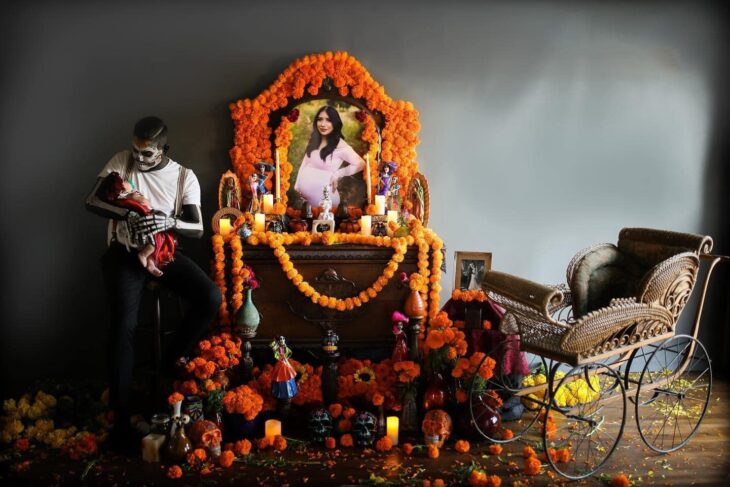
<point>142,228</point>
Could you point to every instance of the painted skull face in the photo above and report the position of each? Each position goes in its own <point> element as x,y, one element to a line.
<point>320,424</point>
<point>364,425</point>
<point>146,154</point>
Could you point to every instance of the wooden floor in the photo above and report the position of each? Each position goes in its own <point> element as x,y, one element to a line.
<point>704,461</point>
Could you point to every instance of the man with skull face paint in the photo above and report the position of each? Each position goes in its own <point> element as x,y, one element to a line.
<point>174,192</point>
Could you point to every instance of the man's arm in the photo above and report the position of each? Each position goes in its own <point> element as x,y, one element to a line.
<point>190,223</point>
<point>102,208</point>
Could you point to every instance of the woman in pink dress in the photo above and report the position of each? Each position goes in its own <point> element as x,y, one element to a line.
<point>327,158</point>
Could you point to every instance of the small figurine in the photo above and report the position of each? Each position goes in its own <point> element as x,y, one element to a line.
<point>283,377</point>
<point>384,178</point>
<point>392,196</point>
<point>326,205</point>
<point>400,350</point>
<point>253,187</point>
<point>264,168</point>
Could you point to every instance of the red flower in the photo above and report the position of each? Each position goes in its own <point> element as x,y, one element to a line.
<point>360,115</point>
<point>22,444</point>
<point>293,115</point>
<point>174,472</point>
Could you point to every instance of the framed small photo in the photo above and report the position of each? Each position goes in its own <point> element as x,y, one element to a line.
<point>469,269</point>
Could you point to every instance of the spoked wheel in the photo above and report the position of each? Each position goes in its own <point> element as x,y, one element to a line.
<point>584,420</point>
<point>673,393</point>
<point>503,393</point>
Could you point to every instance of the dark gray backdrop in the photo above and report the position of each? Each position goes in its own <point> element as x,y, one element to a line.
<point>546,128</point>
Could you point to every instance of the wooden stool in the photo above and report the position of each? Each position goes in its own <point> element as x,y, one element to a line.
<point>156,290</point>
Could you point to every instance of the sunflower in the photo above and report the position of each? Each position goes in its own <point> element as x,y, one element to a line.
<point>365,375</point>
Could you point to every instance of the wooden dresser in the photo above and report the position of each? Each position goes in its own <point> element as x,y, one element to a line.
<point>340,271</point>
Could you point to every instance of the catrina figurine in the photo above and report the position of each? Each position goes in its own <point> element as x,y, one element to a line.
<point>284,377</point>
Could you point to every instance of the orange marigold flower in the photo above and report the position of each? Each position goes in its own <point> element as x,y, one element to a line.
<point>620,480</point>
<point>507,434</point>
<point>462,446</point>
<point>330,443</point>
<point>434,340</point>
<point>242,448</point>
<point>564,455</point>
<point>378,399</point>
<point>226,459</point>
<point>384,444</point>
<point>477,478</point>
<point>346,440</point>
<point>495,449</point>
<point>263,443</point>
<point>174,397</point>
<point>461,395</point>
<point>279,443</point>
<point>335,410</point>
<point>528,452</point>
<point>532,466</point>
<point>348,413</point>
<point>407,448</point>
<point>433,451</point>
<point>344,425</point>
<point>438,483</point>
<point>487,325</point>
<point>174,472</point>
<point>493,481</point>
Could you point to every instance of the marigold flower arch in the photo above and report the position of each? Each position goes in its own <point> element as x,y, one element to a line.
<point>260,127</point>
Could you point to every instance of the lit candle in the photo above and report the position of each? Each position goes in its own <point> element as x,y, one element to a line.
<point>273,429</point>
<point>367,177</point>
<point>380,204</point>
<point>225,226</point>
<point>392,216</point>
<point>268,204</point>
<point>392,429</point>
<point>259,222</point>
<point>151,447</point>
<point>366,225</point>
<point>278,196</point>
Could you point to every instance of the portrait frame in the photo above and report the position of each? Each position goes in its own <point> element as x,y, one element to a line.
<point>482,261</point>
<point>262,124</point>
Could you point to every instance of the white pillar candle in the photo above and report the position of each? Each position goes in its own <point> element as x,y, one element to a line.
<point>259,222</point>
<point>278,180</point>
<point>225,226</point>
<point>272,429</point>
<point>151,447</point>
<point>392,216</point>
<point>392,429</point>
<point>366,225</point>
<point>380,204</point>
<point>268,204</point>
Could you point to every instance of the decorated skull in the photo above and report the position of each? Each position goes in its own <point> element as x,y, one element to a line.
<point>364,425</point>
<point>205,434</point>
<point>320,424</point>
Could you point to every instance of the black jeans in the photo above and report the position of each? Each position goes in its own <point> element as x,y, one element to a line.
<point>125,278</point>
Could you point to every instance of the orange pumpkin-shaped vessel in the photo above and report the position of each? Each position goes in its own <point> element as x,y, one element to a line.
<point>436,427</point>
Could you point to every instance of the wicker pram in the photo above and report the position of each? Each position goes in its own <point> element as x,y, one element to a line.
<point>608,334</point>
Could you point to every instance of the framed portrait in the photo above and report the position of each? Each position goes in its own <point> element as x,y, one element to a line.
<point>335,123</point>
<point>469,269</point>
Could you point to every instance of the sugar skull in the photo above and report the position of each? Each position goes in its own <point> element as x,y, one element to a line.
<point>364,426</point>
<point>320,424</point>
<point>436,427</point>
<point>205,434</point>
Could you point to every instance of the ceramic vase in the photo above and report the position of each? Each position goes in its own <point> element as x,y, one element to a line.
<point>247,318</point>
<point>414,307</point>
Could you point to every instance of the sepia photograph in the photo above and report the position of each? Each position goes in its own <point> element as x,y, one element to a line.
<point>470,268</point>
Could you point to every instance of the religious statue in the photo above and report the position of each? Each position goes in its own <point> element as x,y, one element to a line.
<point>230,194</point>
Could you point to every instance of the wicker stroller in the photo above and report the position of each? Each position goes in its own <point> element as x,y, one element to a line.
<point>607,336</point>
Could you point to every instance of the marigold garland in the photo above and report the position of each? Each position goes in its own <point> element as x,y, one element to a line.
<point>427,281</point>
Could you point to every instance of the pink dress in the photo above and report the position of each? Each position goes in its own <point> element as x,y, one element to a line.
<point>314,173</point>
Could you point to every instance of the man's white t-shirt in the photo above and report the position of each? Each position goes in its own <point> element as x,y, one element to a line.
<point>159,187</point>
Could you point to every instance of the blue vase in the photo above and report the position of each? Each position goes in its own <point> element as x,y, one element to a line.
<point>247,318</point>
